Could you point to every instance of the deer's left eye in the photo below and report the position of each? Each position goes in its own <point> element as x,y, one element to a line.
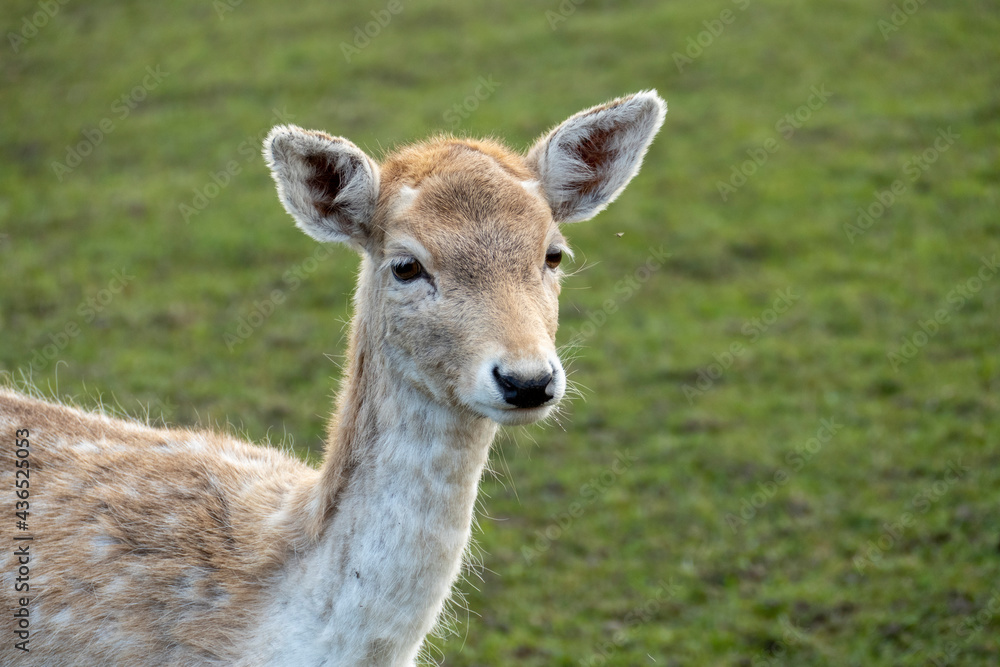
<point>553,257</point>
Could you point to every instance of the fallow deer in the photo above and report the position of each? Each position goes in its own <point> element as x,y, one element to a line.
<point>170,546</point>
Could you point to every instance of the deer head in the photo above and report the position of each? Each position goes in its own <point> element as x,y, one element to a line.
<point>461,243</point>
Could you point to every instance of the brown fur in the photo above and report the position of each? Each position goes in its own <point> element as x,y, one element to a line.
<point>177,547</point>
<point>134,528</point>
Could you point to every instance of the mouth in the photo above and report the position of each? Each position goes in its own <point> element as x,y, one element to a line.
<point>508,415</point>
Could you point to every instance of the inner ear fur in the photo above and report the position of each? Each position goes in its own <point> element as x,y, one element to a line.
<point>584,163</point>
<point>327,184</point>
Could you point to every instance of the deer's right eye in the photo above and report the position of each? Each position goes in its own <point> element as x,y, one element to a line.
<point>407,270</point>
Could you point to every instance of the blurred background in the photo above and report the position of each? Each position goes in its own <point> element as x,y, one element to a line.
<point>785,330</point>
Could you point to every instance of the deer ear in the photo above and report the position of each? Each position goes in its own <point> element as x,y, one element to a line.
<point>326,183</point>
<point>583,164</point>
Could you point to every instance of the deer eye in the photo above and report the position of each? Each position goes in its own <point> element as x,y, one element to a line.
<point>553,257</point>
<point>407,270</point>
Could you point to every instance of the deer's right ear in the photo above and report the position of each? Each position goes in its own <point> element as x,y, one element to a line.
<point>326,183</point>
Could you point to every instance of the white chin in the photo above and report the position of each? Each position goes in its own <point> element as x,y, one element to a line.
<point>515,416</point>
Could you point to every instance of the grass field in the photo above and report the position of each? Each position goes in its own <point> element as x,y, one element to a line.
<point>786,329</point>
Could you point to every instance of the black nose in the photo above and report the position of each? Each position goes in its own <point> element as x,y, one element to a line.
<point>524,393</point>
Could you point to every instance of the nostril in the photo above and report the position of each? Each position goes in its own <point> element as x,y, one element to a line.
<point>505,384</point>
<point>524,392</point>
<point>546,383</point>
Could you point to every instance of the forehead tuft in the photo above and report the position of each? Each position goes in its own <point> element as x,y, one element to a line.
<point>464,190</point>
<point>413,164</point>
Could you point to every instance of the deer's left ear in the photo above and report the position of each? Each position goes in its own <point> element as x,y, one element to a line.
<point>585,162</point>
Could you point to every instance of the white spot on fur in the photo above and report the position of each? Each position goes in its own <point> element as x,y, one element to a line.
<point>404,200</point>
<point>84,447</point>
<point>102,545</point>
<point>532,186</point>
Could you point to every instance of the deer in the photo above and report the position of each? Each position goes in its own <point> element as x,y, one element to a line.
<point>162,545</point>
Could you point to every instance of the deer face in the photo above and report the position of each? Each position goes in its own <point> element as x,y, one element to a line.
<point>468,274</point>
<point>462,247</point>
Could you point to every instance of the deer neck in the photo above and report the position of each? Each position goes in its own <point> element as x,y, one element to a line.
<point>388,519</point>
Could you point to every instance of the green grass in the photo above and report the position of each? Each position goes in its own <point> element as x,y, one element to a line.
<point>658,567</point>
